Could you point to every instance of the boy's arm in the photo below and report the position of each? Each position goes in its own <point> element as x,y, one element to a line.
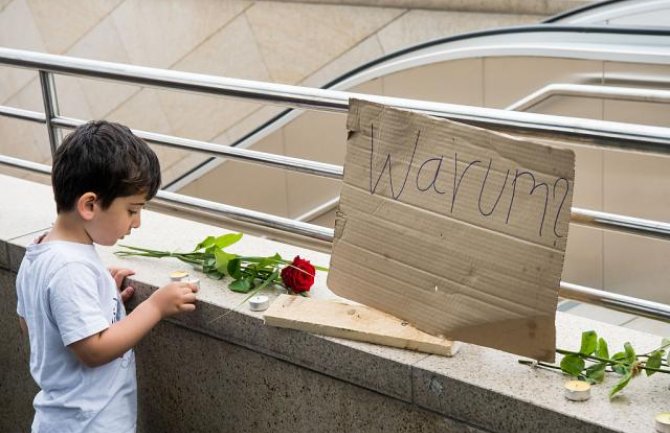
<point>113,342</point>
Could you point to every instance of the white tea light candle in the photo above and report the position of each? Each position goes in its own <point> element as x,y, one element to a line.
<point>259,303</point>
<point>194,281</point>
<point>178,275</point>
<point>663,422</point>
<point>577,390</point>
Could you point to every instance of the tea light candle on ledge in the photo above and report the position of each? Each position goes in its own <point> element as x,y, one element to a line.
<point>663,422</point>
<point>577,390</point>
<point>178,275</point>
<point>194,281</point>
<point>259,303</point>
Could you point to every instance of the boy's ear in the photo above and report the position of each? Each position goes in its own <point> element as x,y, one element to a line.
<point>86,205</point>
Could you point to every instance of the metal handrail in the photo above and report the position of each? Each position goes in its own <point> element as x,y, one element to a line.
<point>631,136</point>
<point>585,217</point>
<point>641,137</point>
<point>591,91</point>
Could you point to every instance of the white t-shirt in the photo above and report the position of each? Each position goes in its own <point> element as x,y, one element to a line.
<point>65,294</point>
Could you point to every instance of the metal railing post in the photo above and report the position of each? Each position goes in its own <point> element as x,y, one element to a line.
<point>51,111</point>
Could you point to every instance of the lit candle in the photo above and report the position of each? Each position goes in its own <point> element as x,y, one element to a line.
<point>663,422</point>
<point>259,303</point>
<point>577,390</point>
<point>178,275</point>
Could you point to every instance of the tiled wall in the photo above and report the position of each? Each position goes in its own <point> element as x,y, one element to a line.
<point>286,42</point>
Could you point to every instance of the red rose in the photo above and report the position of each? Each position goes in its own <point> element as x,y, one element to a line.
<point>299,275</point>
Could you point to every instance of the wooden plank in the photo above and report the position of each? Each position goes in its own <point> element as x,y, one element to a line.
<point>353,322</point>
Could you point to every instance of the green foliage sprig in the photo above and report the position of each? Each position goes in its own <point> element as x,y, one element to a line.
<point>249,273</point>
<point>593,361</point>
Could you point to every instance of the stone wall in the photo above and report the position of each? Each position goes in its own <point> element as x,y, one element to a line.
<point>221,369</point>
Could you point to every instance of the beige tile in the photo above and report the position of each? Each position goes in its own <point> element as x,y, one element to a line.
<point>372,87</point>
<point>250,123</point>
<point>231,52</point>
<point>569,106</point>
<point>280,30</point>
<point>63,22</point>
<point>601,314</point>
<point>103,43</point>
<point>650,326</point>
<point>588,186</point>
<point>637,185</point>
<point>29,97</point>
<point>644,113</point>
<point>637,266</point>
<point>17,30</point>
<point>456,82</point>
<point>325,220</point>
<point>202,117</point>
<point>318,137</point>
<point>366,51</point>
<point>4,3</point>
<point>245,185</point>
<point>143,111</point>
<point>72,100</point>
<point>636,74</point>
<point>24,140</point>
<point>418,26</point>
<point>147,27</point>
<point>584,257</point>
<point>531,74</point>
<point>183,165</point>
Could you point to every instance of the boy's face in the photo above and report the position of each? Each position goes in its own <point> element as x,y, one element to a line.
<point>111,224</point>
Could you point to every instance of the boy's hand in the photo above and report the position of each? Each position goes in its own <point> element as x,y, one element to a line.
<point>119,274</point>
<point>174,298</point>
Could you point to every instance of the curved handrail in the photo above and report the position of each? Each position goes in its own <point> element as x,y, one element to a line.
<point>353,77</point>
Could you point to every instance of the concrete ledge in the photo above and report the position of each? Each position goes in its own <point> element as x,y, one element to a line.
<point>222,369</point>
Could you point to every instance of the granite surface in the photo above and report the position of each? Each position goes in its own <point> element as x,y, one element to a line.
<point>224,347</point>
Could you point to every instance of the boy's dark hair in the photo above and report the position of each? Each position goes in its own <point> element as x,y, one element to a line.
<point>105,158</point>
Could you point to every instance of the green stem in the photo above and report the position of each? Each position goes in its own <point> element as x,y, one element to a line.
<point>607,361</point>
<point>539,364</point>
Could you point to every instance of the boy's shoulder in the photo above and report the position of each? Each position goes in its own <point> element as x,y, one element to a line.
<point>57,255</point>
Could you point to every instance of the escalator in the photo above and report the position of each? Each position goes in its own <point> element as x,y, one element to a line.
<point>499,68</point>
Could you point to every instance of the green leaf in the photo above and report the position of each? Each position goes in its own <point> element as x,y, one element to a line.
<point>619,357</point>
<point>234,269</point>
<point>601,350</point>
<point>630,352</point>
<point>596,373</point>
<point>215,275</point>
<point>269,263</point>
<point>622,383</point>
<point>589,342</point>
<point>242,285</point>
<point>654,361</point>
<point>221,260</point>
<point>227,240</point>
<point>572,365</point>
<point>209,240</point>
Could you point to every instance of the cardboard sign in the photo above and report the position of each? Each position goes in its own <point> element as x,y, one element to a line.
<point>458,230</point>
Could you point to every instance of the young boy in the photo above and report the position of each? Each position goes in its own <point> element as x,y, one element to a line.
<point>80,337</point>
